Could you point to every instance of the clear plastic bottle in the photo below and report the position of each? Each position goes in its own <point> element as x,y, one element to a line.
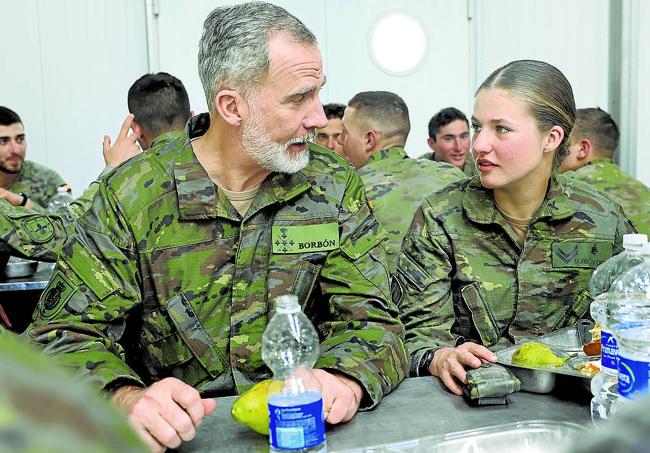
<point>59,203</point>
<point>630,312</point>
<point>290,348</point>
<point>604,384</point>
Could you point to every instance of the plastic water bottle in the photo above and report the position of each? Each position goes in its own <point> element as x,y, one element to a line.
<point>59,203</point>
<point>290,347</point>
<point>604,384</point>
<point>629,308</point>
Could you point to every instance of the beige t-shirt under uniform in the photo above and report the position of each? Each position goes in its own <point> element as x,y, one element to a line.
<point>519,226</point>
<point>241,201</point>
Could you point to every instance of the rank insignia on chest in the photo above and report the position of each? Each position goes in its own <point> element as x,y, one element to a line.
<point>305,238</point>
<point>580,254</point>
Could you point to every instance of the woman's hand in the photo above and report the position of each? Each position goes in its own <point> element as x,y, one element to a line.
<point>448,363</point>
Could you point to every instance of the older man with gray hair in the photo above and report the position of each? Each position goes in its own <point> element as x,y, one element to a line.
<point>164,293</point>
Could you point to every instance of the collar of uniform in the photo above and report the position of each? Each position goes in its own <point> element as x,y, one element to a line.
<point>197,194</point>
<point>394,152</point>
<point>166,138</point>
<point>556,205</point>
<point>599,162</point>
<point>478,202</point>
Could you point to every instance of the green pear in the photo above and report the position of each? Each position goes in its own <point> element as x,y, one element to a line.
<point>251,409</point>
<point>537,355</point>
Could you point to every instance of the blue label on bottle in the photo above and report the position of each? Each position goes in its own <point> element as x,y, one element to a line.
<point>609,350</point>
<point>632,377</point>
<point>296,426</point>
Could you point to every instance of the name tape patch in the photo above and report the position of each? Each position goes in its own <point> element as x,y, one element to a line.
<point>305,238</point>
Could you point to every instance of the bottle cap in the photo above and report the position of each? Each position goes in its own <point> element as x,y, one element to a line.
<point>634,241</point>
<point>645,249</point>
<point>287,304</point>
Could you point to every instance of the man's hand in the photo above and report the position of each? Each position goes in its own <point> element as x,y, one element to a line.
<point>5,319</point>
<point>164,414</point>
<point>125,146</point>
<point>448,363</point>
<point>14,198</point>
<point>341,396</point>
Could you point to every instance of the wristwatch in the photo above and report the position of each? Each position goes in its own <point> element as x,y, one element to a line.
<point>425,361</point>
<point>25,198</point>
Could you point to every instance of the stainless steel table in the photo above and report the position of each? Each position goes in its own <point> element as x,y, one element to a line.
<point>38,281</point>
<point>418,407</point>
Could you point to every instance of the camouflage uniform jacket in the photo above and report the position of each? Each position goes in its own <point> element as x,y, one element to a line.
<point>31,234</point>
<point>469,168</point>
<point>630,193</point>
<point>165,278</point>
<point>38,182</point>
<point>461,276</point>
<point>396,185</point>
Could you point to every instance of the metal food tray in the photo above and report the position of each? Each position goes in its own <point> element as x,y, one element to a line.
<point>563,343</point>
<point>528,436</point>
<point>20,268</point>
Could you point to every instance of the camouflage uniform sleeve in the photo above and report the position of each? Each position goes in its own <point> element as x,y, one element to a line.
<point>363,337</point>
<point>421,287</point>
<point>82,314</point>
<point>82,203</point>
<point>31,234</point>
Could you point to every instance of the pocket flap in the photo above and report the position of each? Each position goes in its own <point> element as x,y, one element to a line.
<point>195,336</point>
<point>481,315</point>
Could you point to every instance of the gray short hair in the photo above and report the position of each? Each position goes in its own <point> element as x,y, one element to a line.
<point>233,50</point>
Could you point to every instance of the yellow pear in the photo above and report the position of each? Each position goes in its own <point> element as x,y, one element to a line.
<point>251,409</point>
<point>537,355</point>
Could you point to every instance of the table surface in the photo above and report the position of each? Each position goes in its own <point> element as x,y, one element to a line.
<point>418,407</point>
<point>37,281</point>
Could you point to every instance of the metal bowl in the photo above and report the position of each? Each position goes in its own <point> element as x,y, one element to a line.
<point>20,268</point>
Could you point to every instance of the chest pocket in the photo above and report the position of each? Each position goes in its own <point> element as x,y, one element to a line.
<point>480,313</point>
<point>167,345</point>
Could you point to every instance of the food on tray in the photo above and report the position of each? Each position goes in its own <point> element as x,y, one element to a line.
<point>534,354</point>
<point>589,368</point>
<point>593,348</point>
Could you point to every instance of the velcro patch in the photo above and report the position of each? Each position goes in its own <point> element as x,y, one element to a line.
<point>56,295</point>
<point>305,238</point>
<point>581,254</point>
<point>39,229</point>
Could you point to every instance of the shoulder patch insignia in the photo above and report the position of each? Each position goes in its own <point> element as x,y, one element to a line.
<point>55,296</point>
<point>39,229</point>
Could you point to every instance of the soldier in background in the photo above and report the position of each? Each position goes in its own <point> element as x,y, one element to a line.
<point>22,182</point>
<point>329,135</point>
<point>592,145</point>
<point>492,260</point>
<point>45,409</point>
<point>375,128</point>
<point>449,140</point>
<point>163,294</point>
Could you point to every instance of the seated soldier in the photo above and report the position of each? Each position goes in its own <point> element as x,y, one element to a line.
<point>449,140</point>
<point>375,128</point>
<point>329,135</point>
<point>22,182</point>
<point>162,295</point>
<point>491,260</point>
<point>592,145</point>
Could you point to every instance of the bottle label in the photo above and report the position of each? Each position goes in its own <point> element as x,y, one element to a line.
<point>609,350</point>
<point>632,377</point>
<point>297,427</point>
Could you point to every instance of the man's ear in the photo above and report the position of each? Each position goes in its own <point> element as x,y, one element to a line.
<point>431,143</point>
<point>137,129</point>
<point>231,106</point>
<point>554,138</point>
<point>585,149</point>
<point>370,140</point>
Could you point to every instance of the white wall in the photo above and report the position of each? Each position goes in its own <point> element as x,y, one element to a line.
<point>643,96</point>
<point>69,63</point>
<point>66,68</point>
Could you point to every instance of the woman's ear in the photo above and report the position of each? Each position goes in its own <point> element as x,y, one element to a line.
<point>231,106</point>
<point>553,139</point>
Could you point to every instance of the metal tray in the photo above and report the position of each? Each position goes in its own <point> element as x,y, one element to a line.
<point>20,268</point>
<point>537,435</point>
<point>563,343</point>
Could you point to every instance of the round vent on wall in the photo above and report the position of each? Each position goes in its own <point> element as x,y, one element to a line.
<point>398,43</point>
